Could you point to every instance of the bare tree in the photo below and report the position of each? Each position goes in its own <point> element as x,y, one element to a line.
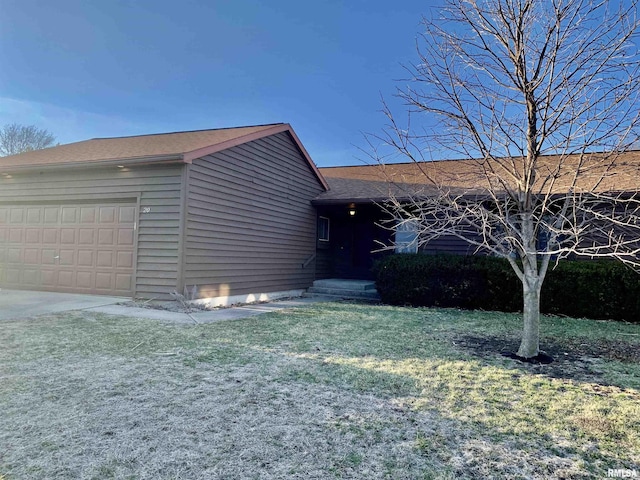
<point>540,100</point>
<point>16,138</point>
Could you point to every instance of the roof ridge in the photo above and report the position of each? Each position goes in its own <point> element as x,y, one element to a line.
<point>447,160</point>
<point>185,131</point>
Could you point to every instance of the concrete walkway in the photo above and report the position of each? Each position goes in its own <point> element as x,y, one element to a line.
<point>207,316</point>
<point>17,304</point>
<point>24,304</point>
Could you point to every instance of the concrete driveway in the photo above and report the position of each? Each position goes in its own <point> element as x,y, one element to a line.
<point>22,303</point>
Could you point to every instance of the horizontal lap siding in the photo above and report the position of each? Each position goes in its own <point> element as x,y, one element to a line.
<point>448,244</point>
<point>324,266</point>
<point>158,188</point>
<point>250,222</point>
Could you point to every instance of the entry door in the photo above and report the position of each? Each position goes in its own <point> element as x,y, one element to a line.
<point>77,248</point>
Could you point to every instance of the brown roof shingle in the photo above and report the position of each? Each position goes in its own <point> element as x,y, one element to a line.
<point>375,182</point>
<point>136,147</point>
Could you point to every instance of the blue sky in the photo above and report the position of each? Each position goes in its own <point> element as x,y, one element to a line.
<point>87,68</point>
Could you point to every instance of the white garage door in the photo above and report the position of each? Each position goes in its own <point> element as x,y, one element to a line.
<point>78,248</point>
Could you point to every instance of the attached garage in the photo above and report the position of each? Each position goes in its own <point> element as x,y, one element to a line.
<point>73,247</point>
<point>227,211</point>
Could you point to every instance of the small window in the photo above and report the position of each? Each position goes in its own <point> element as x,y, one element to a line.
<point>406,237</point>
<point>323,229</point>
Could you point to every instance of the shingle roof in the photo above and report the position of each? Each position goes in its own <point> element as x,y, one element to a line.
<point>142,146</point>
<point>348,190</point>
<point>366,183</point>
<point>176,146</point>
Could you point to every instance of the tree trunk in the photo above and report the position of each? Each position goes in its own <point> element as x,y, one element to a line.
<point>530,345</point>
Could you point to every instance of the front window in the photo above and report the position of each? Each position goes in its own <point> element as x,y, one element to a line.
<point>323,229</point>
<point>406,237</point>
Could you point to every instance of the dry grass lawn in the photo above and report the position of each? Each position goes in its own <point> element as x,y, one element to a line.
<point>326,391</point>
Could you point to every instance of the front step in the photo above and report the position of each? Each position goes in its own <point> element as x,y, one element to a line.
<point>347,289</point>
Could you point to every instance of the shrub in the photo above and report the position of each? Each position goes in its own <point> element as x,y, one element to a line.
<point>593,289</point>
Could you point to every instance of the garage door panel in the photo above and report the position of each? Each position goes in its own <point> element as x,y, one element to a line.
<point>12,275</point>
<point>105,236</point>
<point>50,235</point>
<point>14,256</point>
<point>85,279</point>
<point>31,277</point>
<point>125,236</point>
<point>48,256</point>
<point>32,235</point>
<point>125,260</point>
<point>104,281</point>
<point>69,215</point>
<point>84,248</point>
<point>33,216</point>
<point>123,281</point>
<point>31,256</point>
<point>104,258</point>
<point>15,235</point>
<point>16,215</point>
<point>107,215</point>
<point>85,258</point>
<point>67,236</point>
<point>127,214</point>
<point>66,257</point>
<point>86,236</point>
<point>51,214</point>
<point>65,278</point>
<point>48,278</point>
<point>88,215</point>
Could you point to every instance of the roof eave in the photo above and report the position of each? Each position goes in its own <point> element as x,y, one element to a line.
<point>156,159</point>
<point>357,201</point>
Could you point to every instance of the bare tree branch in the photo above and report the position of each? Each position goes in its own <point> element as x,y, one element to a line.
<point>15,138</point>
<point>540,100</point>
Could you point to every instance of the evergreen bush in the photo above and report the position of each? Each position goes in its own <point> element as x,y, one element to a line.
<point>589,289</point>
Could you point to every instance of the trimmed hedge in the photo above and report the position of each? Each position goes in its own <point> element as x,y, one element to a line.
<point>589,289</point>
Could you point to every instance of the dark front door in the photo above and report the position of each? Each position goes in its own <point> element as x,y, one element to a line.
<point>350,252</point>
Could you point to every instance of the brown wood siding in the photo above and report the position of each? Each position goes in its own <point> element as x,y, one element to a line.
<point>324,266</point>
<point>448,244</point>
<point>158,189</point>
<point>250,222</point>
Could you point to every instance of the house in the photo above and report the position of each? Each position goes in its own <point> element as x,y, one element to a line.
<point>239,214</point>
<point>360,229</point>
<point>227,210</point>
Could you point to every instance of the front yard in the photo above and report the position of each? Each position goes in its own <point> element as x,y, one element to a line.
<point>326,391</point>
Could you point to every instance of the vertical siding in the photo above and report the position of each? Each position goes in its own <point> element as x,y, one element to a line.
<point>250,222</point>
<point>157,187</point>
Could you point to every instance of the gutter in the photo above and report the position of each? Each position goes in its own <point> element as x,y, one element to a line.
<point>125,162</point>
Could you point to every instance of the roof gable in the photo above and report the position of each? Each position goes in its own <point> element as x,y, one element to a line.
<point>177,146</point>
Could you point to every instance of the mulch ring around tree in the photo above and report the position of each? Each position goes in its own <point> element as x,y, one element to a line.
<point>576,359</point>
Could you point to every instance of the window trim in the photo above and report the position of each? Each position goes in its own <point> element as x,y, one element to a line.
<point>411,229</point>
<point>328,223</point>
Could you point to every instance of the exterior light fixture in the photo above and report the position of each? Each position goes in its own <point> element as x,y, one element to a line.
<point>352,209</point>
